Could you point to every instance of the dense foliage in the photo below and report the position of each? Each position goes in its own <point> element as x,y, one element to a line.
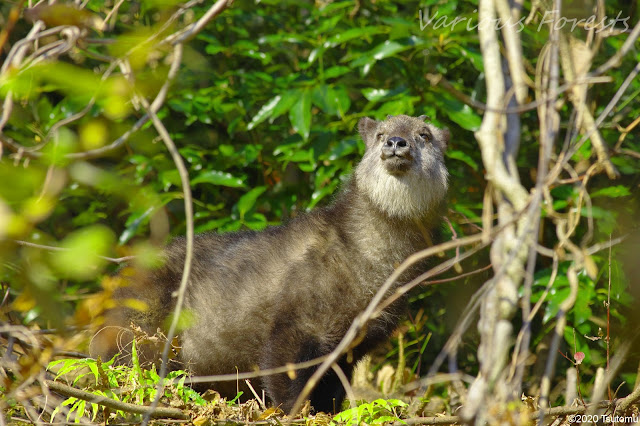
<point>263,111</point>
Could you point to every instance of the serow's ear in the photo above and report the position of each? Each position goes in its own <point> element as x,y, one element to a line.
<point>389,116</point>
<point>367,128</point>
<point>424,117</point>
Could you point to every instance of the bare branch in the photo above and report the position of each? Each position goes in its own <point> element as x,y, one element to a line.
<point>360,322</point>
<point>614,61</point>
<point>566,305</point>
<point>566,156</point>
<point>193,29</point>
<point>154,412</point>
<point>188,207</point>
<point>18,51</point>
<point>513,50</point>
<point>53,248</point>
<point>490,131</point>
<point>344,380</point>
<point>575,62</point>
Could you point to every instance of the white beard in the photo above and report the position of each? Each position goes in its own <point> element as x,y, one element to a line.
<point>407,196</point>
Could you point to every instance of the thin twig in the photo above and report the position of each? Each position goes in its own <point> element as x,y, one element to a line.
<point>549,131</point>
<point>53,248</point>
<point>189,32</point>
<point>255,394</point>
<point>344,380</point>
<point>232,377</point>
<point>632,398</point>
<point>616,362</point>
<point>513,49</point>
<point>555,341</point>
<point>457,277</point>
<point>615,59</point>
<point>188,207</point>
<point>519,353</point>
<point>439,80</point>
<point>360,321</point>
<point>608,341</point>
<point>420,280</point>
<point>566,156</point>
<point>154,412</point>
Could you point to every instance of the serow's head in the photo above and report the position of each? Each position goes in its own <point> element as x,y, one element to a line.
<point>403,169</point>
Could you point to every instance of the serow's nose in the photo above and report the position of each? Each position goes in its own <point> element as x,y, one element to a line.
<point>396,153</point>
<point>396,142</point>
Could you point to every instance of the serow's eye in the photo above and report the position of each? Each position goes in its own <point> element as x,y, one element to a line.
<point>425,135</point>
<point>379,135</point>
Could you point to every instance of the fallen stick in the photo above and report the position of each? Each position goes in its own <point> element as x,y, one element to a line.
<point>159,412</point>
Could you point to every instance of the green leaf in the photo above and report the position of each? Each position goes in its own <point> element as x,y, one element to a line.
<point>342,99</point>
<point>555,298</point>
<point>265,112</point>
<point>385,420</point>
<point>80,411</point>
<point>255,221</point>
<point>288,149</point>
<point>563,192</point>
<point>65,142</point>
<point>597,213</point>
<point>213,224</point>
<point>461,113</point>
<point>381,51</point>
<point>94,411</point>
<point>332,100</point>
<point>336,71</point>
<point>135,361</point>
<point>475,57</point>
<point>332,8</point>
<point>69,401</point>
<point>94,370</point>
<point>581,310</point>
<point>328,23</point>
<point>471,214</point>
<point>626,165</point>
<point>343,148</point>
<point>248,200</point>
<point>233,401</point>
<point>345,36</point>
<point>560,204</point>
<point>321,193</point>
<point>375,95</point>
<point>612,192</point>
<point>288,99</point>
<point>465,158</point>
<point>213,49</point>
<point>314,54</point>
<point>322,96</point>
<point>69,365</point>
<point>82,252</point>
<point>300,114</point>
<point>278,39</point>
<point>217,177</point>
<point>403,105</point>
<point>54,363</point>
<point>384,50</point>
<point>133,224</point>
<point>169,178</point>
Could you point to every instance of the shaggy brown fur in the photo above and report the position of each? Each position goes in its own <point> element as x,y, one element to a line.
<point>289,293</point>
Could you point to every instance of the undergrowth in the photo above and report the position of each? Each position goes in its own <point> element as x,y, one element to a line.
<point>130,384</point>
<point>137,385</point>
